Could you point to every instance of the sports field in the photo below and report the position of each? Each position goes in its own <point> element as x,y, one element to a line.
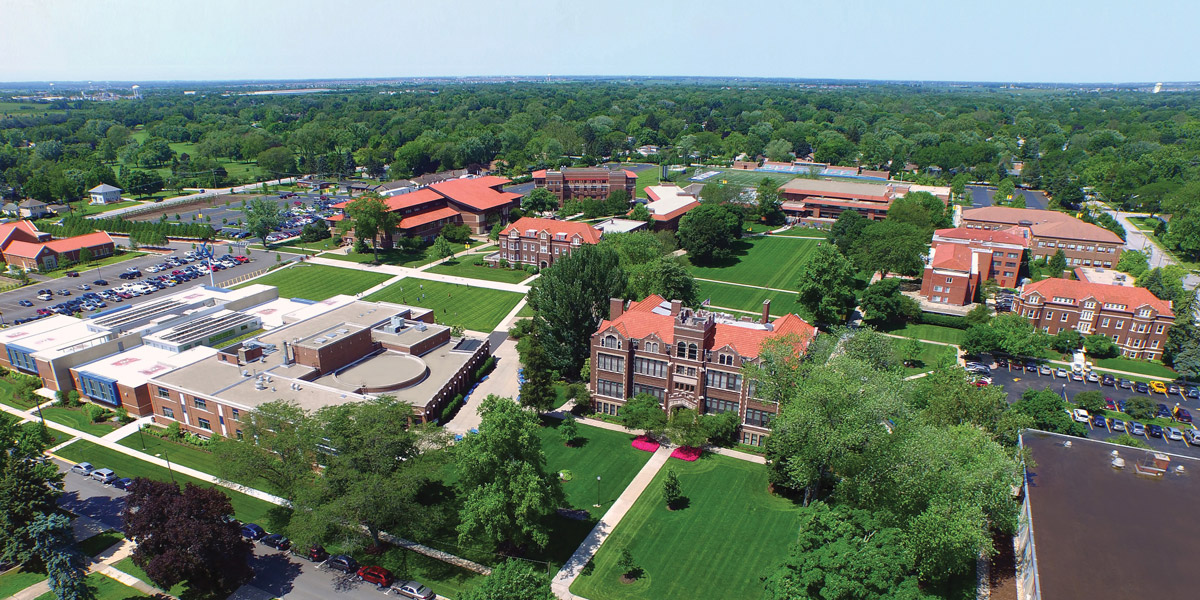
<point>743,178</point>
<point>474,308</point>
<point>318,282</point>
<point>730,534</point>
<point>772,262</point>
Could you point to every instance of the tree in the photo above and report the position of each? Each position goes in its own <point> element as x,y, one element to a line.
<point>1091,401</point>
<point>671,491</point>
<point>277,161</point>
<point>277,442</point>
<point>1100,346</point>
<point>371,218</point>
<point>644,412</point>
<point>539,200</point>
<point>509,494</point>
<point>947,397</point>
<point>717,193</point>
<point>1048,412</point>
<point>315,231</point>
<point>1057,263</point>
<point>844,554</point>
<point>457,233</point>
<point>1134,262</point>
<point>629,568</point>
<point>778,150</point>
<point>666,277</point>
<point>1005,191</point>
<point>641,213</point>
<point>1067,341</point>
<point>262,217</point>
<point>54,543</point>
<point>684,428</point>
<point>185,536</point>
<point>442,248</point>
<point>570,299</point>
<point>1166,283</point>
<point>770,206</point>
<point>846,230</point>
<point>143,183</point>
<point>891,247</point>
<point>1009,332</point>
<point>980,315</point>
<point>568,430</point>
<point>1139,407</point>
<point>538,390</point>
<point>826,287</point>
<point>29,487</point>
<point>883,302</point>
<point>85,255</point>
<point>512,580</point>
<point>708,232</point>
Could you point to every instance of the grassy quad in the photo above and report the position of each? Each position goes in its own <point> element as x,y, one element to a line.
<point>749,299</point>
<point>397,257</point>
<point>730,534</point>
<point>465,268</point>
<point>762,261</point>
<point>318,282</point>
<point>99,543</point>
<point>125,565</point>
<point>1132,365</point>
<point>474,308</point>
<point>932,333</point>
<point>76,418</point>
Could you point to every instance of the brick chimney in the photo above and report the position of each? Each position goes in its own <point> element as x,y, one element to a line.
<point>766,312</point>
<point>676,305</point>
<point>616,306</point>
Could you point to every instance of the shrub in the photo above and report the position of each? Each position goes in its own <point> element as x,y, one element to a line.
<point>1128,440</point>
<point>174,432</point>
<point>944,320</point>
<point>485,368</point>
<point>123,416</point>
<point>97,413</point>
<point>1140,408</point>
<point>452,408</point>
<point>1091,401</point>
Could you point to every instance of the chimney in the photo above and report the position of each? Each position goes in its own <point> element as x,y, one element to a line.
<point>616,307</point>
<point>676,305</point>
<point>766,312</point>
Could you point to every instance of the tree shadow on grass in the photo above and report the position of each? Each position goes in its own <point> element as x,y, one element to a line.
<point>737,250</point>
<point>681,504</point>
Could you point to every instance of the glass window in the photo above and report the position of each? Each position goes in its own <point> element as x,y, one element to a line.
<point>714,405</point>
<point>607,362</point>
<point>168,412</point>
<point>758,418</point>
<point>692,351</point>
<point>724,381</point>
<point>657,392</point>
<point>203,423</point>
<point>164,392</point>
<point>236,414</point>
<point>201,404</point>
<point>653,368</point>
<point>612,389</point>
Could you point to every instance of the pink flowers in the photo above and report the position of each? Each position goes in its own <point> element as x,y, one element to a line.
<point>687,453</point>
<point>642,442</point>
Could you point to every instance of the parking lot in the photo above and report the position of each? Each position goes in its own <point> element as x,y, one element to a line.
<point>227,217</point>
<point>982,196</point>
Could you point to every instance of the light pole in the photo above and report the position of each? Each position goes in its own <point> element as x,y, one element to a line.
<point>1065,392</point>
<point>141,438</point>
<point>169,469</point>
<point>597,504</point>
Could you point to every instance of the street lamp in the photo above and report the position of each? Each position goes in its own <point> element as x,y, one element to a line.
<point>597,504</point>
<point>169,469</point>
<point>142,438</point>
<point>1064,392</point>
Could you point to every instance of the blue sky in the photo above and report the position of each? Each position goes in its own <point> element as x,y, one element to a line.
<point>963,40</point>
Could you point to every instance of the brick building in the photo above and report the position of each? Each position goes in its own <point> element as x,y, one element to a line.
<point>49,255</point>
<point>1083,244</point>
<point>474,202</point>
<point>686,358</point>
<point>668,204</point>
<point>585,183</point>
<point>962,259</point>
<point>539,242</point>
<point>821,201</point>
<point>1135,319</point>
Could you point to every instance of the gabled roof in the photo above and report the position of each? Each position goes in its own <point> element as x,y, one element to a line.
<point>25,249</point>
<point>587,233</point>
<point>953,257</point>
<point>478,193</point>
<point>90,240</point>
<point>1043,223</point>
<point>9,230</point>
<point>1010,235</point>
<point>437,214</point>
<point>104,187</point>
<point>1132,297</point>
<point>31,203</point>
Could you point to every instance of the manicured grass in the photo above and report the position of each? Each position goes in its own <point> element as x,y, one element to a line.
<point>188,456</point>
<point>99,543</point>
<point>1145,223</point>
<point>743,178</point>
<point>84,208</point>
<point>526,311</point>
<point>1145,367</point>
<point>17,580</point>
<point>394,256</point>
<point>804,232</point>
<point>318,282</point>
<point>749,299</point>
<point>762,261</point>
<point>474,308</point>
<point>464,268</point>
<point>7,397</point>
<point>245,508</point>
<point>76,418</point>
<point>933,333</point>
<point>760,227</point>
<point>101,262</point>
<point>125,565</point>
<point>647,177</point>
<point>598,452</point>
<point>731,534</point>
<point>106,589</point>
<point>927,359</point>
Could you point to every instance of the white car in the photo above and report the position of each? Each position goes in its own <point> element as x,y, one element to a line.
<point>152,269</point>
<point>1081,415</point>
<point>1173,434</point>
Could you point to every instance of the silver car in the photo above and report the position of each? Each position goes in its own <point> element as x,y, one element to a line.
<point>1092,377</point>
<point>1060,373</point>
<point>1118,425</point>
<point>1045,370</point>
<point>83,468</point>
<point>1174,434</point>
<point>1192,436</point>
<point>1135,428</point>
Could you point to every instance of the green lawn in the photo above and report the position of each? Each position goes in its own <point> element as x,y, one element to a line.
<point>105,588</point>
<point>599,452</point>
<point>395,256</point>
<point>84,207</point>
<point>76,418</point>
<point>99,543</point>
<point>927,359</point>
<point>182,454</point>
<point>474,308</point>
<point>102,262</point>
<point>933,333</point>
<point>804,232</point>
<point>731,534</point>
<point>245,508</point>
<point>748,299</point>
<point>318,282</point>
<point>647,177</point>
<point>18,579</point>
<point>125,565</point>
<point>1145,223</point>
<point>1145,367</point>
<point>464,268</point>
<point>7,397</point>
<point>526,311</point>
<point>763,261</point>
<point>743,178</point>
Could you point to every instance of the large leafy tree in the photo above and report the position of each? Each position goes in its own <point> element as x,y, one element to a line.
<point>846,230</point>
<point>826,287</point>
<point>709,231</point>
<point>770,206</point>
<point>509,494</point>
<point>666,277</point>
<point>512,580</point>
<point>1048,411</point>
<point>644,412</point>
<point>570,299</point>
<point>54,542</point>
<point>539,200</point>
<point>184,536</point>
<point>371,219</point>
<point>279,442</point>
<point>891,247</point>
<point>947,398</point>
<point>263,215</point>
<point>29,487</point>
<point>882,302</point>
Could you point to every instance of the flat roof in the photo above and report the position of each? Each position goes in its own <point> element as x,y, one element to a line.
<point>135,367</point>
<point>1085,511</point>
<point>444,362</point>
<point>202,327</point>
<point>620,225</point>
<point>19,334</point>
<point>63,340</point>
<point>273,313</point>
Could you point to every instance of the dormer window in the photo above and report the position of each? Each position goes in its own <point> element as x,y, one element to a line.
<point>611,341</point>
<point>1145,312</point>
<point>725,359</point>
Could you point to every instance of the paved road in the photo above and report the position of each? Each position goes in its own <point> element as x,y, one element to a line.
<point>11,310</point>
<point>88,497</point>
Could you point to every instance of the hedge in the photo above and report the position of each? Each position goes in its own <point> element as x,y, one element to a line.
<point>944,320</point>
<point>485,368</point>
<point>452,409</point>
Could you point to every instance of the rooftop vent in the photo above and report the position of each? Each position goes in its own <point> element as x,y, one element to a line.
<point>421,327</point>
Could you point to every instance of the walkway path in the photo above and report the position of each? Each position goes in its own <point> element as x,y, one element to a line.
<point>103,564</point>
<point>439,261</point>
<point>562,581</point>
<point>757,287</point>
<point>502,382</point>
<point>419,274</point>
<point>127,430</point>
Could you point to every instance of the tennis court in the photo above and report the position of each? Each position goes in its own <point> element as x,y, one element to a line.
<point>742,178</point>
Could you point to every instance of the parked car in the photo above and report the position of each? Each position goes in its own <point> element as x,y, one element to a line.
<point>100,282</point>
<point>1099,421</point>
<point>123,483</point>
<point>1092,377</point>
<point>978,367</point>
<point>1193,392</point>
<point>1109,404</point>
<point>1081,415</point>
<point>1174,434</point>
<point>1141,388</point>
<point>277,541</point>
<point>1135,428</point>
<point>1158,387</point>
<point>252,531</point>
<point>412,589</point>
<point>1118,425</point>
<point>1173,389</point>
<point>72,273</point>
<point>1060,373</point>
<point>1076,375</point>
<point>342,563</point>
<point>376,575</point>
<point>1046,370</point>
<point>83,468</point>
<point>1154,430</point>
<point>1161,411</point>
<point>105,476</point>
<point>1108,380</point>
<point>1192,436</point>
<point>317,553</point>
<point>24,303</point>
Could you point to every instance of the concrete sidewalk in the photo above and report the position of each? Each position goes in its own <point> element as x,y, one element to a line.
<point>419,274</point>
<point>127,430</point>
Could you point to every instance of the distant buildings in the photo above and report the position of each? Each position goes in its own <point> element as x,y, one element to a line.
<point>668,204</point>
<point>22,245</point>
<point>686,358</point>
<point>475,202</point>
<point>962,259</point>
<point>104,194</point>
<point>593,183</point>
<point>1135,319</point>
<point>33,209</point>
<point>1083,244</point>
<point>540,242</point>
<point>820,201</point>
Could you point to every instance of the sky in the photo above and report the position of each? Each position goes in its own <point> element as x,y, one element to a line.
<point>951,40</point>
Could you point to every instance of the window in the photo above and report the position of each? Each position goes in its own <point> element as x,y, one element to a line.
<point>1154,344</point>
<point>753,439</point>
<point>651,347</point>
<point>1064,317</point>
<point>163,392</point>
<point>725,359</point>
<point>653,368</point>
<point>200,404</point>
<point>713,405</point>
<point>168,413</point>
<point>1145,312</point>
<point>657,392</point>
<point>1104,322</point>
<point>692,351</point>
<point>1089,304</point>
<point>611,341</point>
<point>1120,323</point>
<point>203,423</point>
<point>612,389</point>
<point>724,381</point>
<point>607,362</point>
<point>1012,255</point>
<point>1116,339</point>
<point>758,418</point>
<point>681,349</point>
<point>1049,314</point>
<point>1159,329</point>
<point>1086,316</point>
<point>237,416</point>
<point>239,434</point>
<point>949,280</point>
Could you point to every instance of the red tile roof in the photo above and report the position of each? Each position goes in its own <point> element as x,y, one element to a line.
<point>539,174</point>
<point>676,213</point>
<point>71,244</point>
<point>955,257</point>
<point>1132,297</point>
<point>413,199</point>
<point>9,230</point>
<point>476,193</point>
<point>589,234</point>
<point>1045,223</point>
<point>25,249</point>
<point>428,217</point>
<point>1011,235</point>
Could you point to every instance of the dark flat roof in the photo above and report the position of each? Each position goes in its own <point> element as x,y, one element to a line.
<point>1102,532</point>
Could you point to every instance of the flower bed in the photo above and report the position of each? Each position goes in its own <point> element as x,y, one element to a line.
<point>642,442</point>
<point>687,453</point>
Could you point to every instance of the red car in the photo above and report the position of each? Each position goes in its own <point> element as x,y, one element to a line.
<point>376,575</point>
